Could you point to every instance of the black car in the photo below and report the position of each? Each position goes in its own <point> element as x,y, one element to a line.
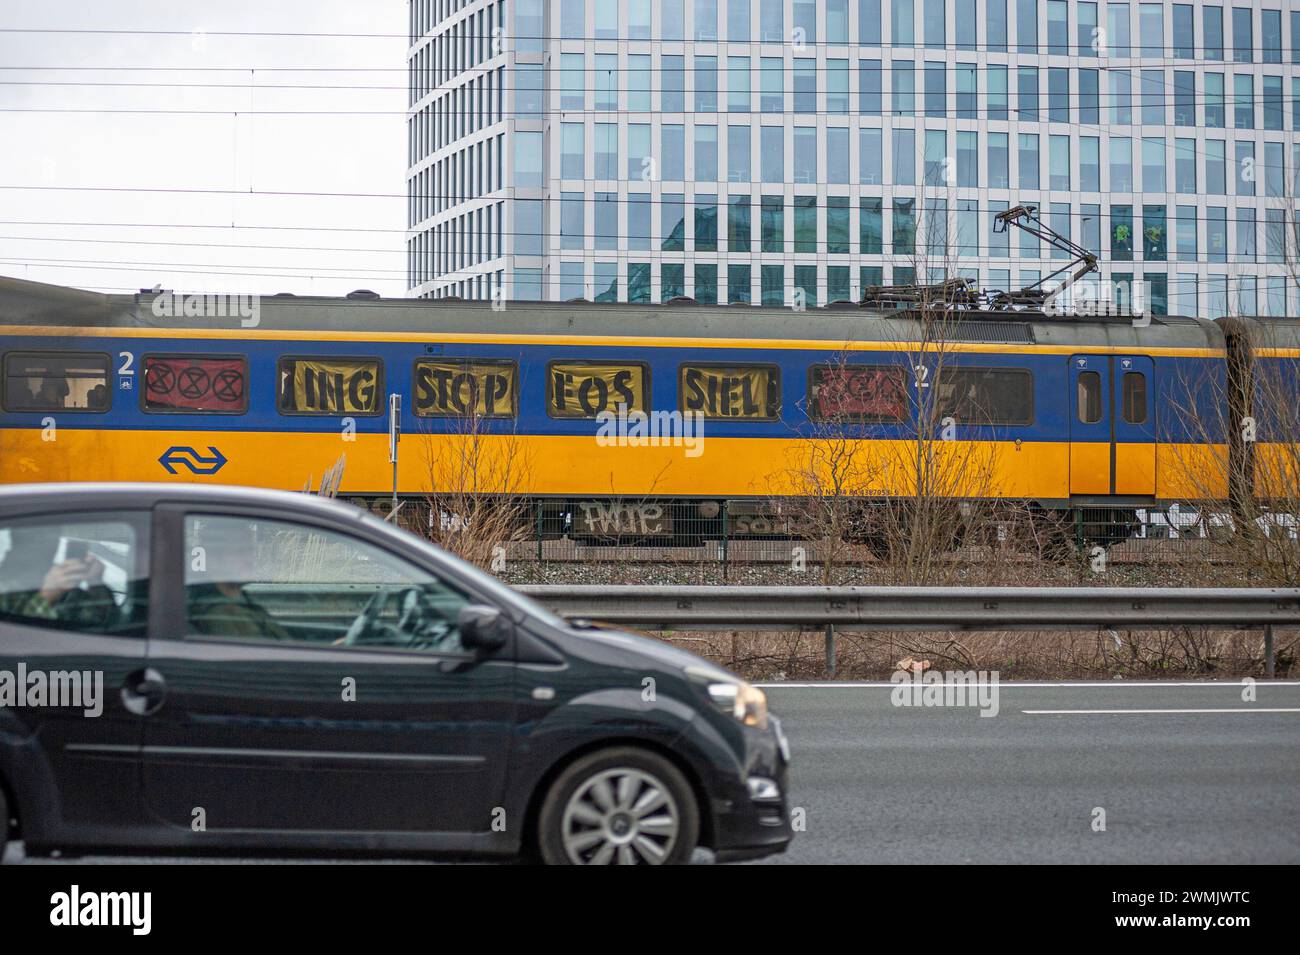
<point>218,669</point>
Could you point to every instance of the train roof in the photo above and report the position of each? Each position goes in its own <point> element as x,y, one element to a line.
<point>26,303</point>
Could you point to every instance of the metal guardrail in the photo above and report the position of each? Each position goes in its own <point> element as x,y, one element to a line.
<point>926,608</point>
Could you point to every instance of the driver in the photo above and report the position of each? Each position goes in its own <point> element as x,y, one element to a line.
<point>216,603</point>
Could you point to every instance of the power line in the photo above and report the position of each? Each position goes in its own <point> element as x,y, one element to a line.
<point>1036,49</point>
<point>206,245</point>
<point>193,225</point>
<point>648,199</point>
<point>181,266</point>
<point>1173,278</point>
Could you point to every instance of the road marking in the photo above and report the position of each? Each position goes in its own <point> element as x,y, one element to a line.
<point>1114,684</point>
<point>1239,709</point>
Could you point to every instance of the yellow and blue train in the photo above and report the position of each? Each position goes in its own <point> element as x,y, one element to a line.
<point>1112,413</point>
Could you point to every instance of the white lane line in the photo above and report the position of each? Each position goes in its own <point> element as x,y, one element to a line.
<point>1239,709</point>
<point>1010,685</point>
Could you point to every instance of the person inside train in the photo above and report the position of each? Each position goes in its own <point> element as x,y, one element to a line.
<point>53,393</point>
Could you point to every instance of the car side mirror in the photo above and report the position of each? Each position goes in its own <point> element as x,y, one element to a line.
<point>482,627</point>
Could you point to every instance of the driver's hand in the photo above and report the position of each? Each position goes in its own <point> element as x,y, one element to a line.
<point>64,577</point>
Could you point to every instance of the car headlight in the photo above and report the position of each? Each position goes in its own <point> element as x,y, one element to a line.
<point>747,703</point>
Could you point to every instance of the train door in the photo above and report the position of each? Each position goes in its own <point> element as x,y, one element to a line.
<point>1112,428</point>
<point>1132,377</point>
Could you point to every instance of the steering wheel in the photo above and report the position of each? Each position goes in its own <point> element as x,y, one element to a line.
<point>366,620</point>
<point>414,612</point>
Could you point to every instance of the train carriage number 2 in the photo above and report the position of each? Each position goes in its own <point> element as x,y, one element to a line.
<point>126,371</point>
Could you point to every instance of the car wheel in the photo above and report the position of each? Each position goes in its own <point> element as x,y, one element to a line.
<point>621,806</point>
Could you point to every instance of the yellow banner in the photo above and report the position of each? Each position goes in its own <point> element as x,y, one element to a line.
<point>730,392</point>
<point>463,388</point>
<point>329,387</point>
<point>575,390</point>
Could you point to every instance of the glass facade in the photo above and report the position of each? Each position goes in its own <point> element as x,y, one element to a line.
<point>785,151</point>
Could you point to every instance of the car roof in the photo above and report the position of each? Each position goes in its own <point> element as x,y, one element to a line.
<point>105,493</point>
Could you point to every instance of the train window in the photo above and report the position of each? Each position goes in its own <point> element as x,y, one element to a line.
<point>751,392</point>
<point>1089,397</point>
<point>985,396</point>
<point>582,389</point>
<point>195,384</point>
<point>454,388</point>
<point>860,394</point>
<point>330,386</point>
<point>1135,397</point>
<point>56,381</point>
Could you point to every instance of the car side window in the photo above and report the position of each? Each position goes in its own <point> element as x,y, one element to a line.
<point>82,572</point>
<point>247,578</point>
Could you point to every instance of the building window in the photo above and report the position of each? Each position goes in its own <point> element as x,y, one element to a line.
<point>706,223</point>
<point>805,284</point>
<point>1090,163</point>
<point>772,224</point>
<point>837,283</point>
<point>772,149</point>
<point>870,160</point>
<point>805,224</point>
<point>738,284</point>
<point>571,216</point>
<point>672,209</point>
<point>706,283</point>
<point>638,281</point>
<point>673,81</point>
<point>904,227</point>
<point>772,284</point>
<point>738,166</point>
<point>870,225</point>
<point>706,84</point>
<point>738,84</point>
<point>738,224</point>
<point>672,281</point>
<point>805,154</point>
<point>869,95</point>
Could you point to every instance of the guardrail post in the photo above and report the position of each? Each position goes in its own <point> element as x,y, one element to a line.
<point>540,512</point>
<point>1269,661</point>
<point>830,651</point>
<point>725,542</point>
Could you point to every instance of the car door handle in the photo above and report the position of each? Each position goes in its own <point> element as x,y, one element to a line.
<point>143,691</point>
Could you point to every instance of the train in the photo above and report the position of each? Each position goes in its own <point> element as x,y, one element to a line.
<point>637,421</point>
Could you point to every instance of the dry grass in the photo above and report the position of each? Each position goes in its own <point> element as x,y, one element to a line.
<point>1180,653</point>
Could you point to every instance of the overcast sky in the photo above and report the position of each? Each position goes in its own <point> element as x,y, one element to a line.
<point>223,241</point>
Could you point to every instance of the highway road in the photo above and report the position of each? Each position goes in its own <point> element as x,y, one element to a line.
<point>1185,773</point>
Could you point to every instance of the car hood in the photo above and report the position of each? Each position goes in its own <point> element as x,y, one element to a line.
<point>657,651</point>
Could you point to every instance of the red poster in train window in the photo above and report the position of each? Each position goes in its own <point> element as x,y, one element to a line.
<point>858,393</point>
<point>193,383</point>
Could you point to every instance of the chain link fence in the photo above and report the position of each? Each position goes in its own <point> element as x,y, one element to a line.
<point>787,542</point>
